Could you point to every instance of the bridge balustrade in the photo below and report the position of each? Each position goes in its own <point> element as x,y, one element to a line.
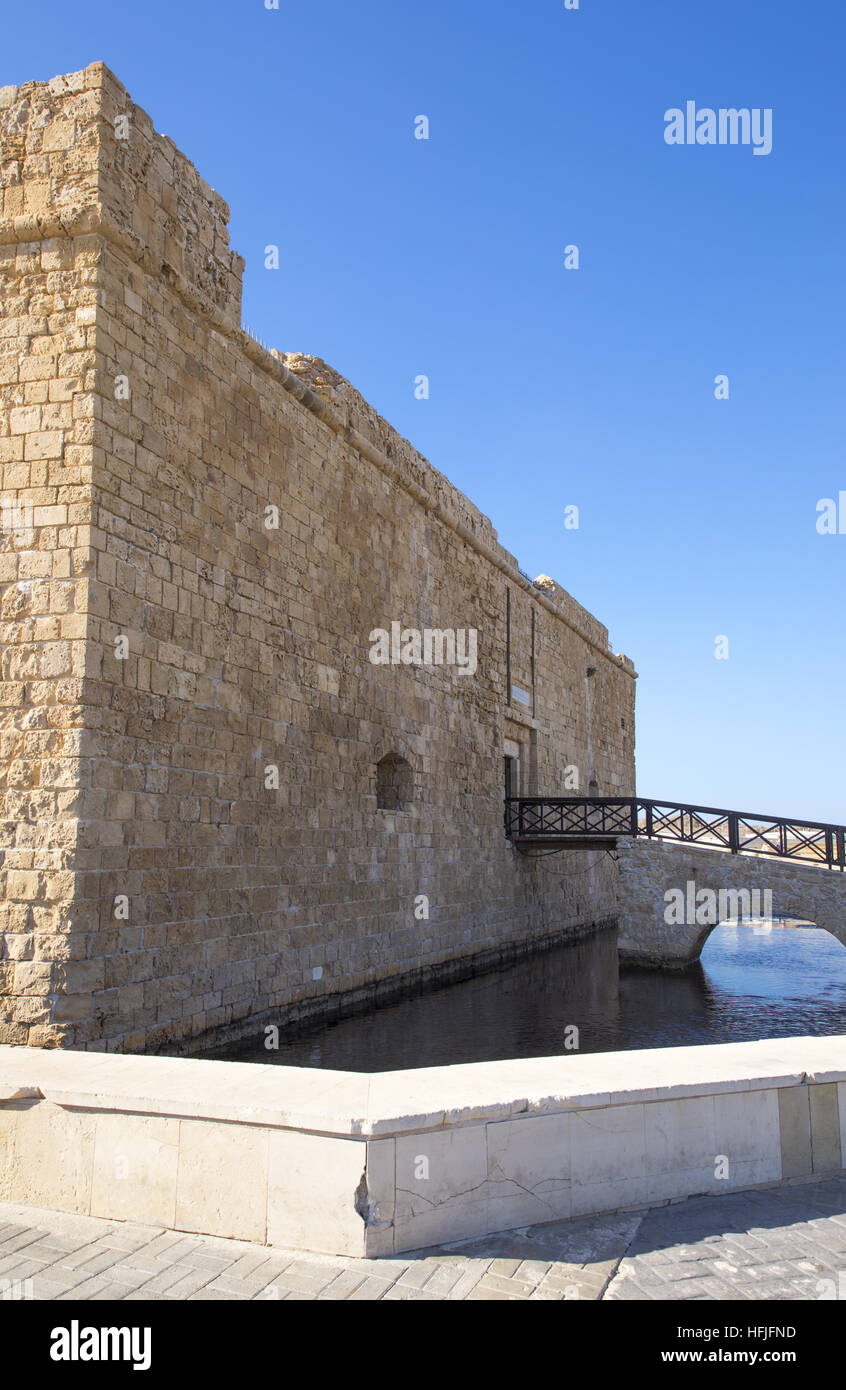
<point>573,819</point>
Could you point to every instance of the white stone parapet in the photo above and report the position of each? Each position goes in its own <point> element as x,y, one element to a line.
<point>358,1164</point>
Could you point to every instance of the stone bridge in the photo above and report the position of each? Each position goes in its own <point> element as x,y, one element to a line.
<point>684,868</point>
<point>654,874</point>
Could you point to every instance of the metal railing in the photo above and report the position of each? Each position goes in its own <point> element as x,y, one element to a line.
<point>739,832</point>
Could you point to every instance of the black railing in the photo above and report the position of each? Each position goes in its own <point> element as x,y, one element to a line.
<point>740,832</point>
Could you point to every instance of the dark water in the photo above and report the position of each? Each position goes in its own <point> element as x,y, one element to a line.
<point>751,983</point>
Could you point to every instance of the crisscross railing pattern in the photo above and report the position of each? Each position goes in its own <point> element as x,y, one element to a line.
<point>739,832</point>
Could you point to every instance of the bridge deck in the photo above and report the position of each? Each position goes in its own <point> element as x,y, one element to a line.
<point>576,822</point>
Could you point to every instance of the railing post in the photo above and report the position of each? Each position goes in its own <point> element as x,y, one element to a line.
<point>734,836</point>
<point>649,824</point>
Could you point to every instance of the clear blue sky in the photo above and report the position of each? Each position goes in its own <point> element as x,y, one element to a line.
<point>552,387</point>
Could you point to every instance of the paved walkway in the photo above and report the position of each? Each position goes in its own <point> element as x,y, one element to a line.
<point>787,1242</point>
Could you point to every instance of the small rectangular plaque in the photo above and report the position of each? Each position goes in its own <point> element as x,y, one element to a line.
<point>521,696</point>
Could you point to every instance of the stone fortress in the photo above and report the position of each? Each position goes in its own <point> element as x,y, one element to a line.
<point>219,811</point>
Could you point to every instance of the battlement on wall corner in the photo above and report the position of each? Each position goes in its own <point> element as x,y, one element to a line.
<point>80,158</point>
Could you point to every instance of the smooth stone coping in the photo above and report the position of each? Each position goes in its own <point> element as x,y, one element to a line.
<point>384,1103</point>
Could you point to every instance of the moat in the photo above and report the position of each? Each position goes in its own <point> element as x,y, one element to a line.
<point>751,983</point>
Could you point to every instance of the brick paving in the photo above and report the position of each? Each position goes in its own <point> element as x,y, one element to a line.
<point>786,1242</point>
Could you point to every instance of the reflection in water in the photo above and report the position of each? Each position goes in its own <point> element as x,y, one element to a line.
<point>751,983</point>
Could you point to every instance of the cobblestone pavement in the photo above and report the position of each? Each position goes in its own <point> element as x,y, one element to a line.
<point>782,1243</point>
<point>786,1242</point>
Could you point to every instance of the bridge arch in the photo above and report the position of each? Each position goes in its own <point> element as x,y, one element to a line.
<point>802,918</point>
<point>654,874</point>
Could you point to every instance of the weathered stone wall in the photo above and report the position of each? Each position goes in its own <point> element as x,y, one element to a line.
<point>216,647</point>
<point>649,869</point>
<point>49,163</point>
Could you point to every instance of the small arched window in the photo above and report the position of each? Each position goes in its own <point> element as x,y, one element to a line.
<point>394,783</point>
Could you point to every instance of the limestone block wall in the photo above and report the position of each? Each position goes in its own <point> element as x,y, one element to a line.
<point>374,1165</point>
<point>49,169</point>
<point>249,520</point>
<point>649,869</point>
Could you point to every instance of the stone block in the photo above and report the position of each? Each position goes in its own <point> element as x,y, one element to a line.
<point>529,1170</point>
<point>49,1155</point>
<point>314,1192</point>
<point>825,1127</point>
<point>795,1124</point>
<point>442,1188</point>
<point>135,1168</point>
<point>608,1159</point>
<point>222,1180</point>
